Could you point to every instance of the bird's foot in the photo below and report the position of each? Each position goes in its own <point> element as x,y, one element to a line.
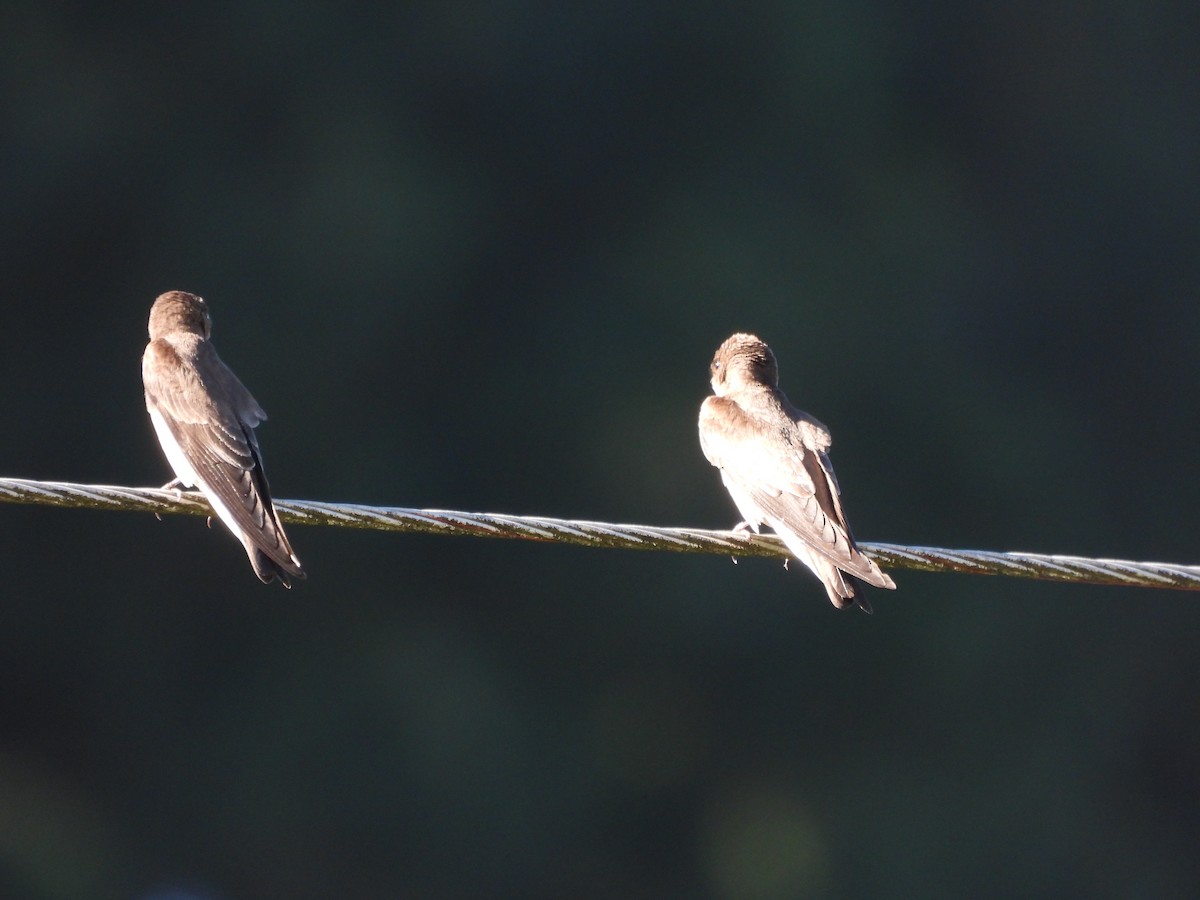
<point>743,529</point>
<point>174,485</point>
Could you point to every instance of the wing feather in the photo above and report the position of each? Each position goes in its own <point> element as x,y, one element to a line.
<point>212,420</point>
<point>786,475</point>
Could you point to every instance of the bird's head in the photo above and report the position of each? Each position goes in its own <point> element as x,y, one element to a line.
<point>179,311</point>
<point>741,361</point>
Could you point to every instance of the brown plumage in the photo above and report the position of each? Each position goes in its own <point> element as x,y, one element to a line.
<point>774,461</point>
<point>205,419</point>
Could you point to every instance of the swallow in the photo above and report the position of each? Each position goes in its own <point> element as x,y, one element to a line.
<point>774,461</point>
<point>205,419</point>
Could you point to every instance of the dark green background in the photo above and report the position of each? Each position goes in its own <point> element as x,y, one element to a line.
<point>478,256</point>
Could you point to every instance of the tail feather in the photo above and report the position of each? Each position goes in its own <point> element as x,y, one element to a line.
<point>268,569</point>
<point>840,586</point>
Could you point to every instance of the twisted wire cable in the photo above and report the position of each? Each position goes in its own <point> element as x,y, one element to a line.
<point>611,536</point>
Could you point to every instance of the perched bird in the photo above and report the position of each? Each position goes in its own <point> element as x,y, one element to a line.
<point>774,460</point>
<point>205,420</point>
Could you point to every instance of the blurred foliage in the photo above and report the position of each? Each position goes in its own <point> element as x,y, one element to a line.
<point>474,255</point>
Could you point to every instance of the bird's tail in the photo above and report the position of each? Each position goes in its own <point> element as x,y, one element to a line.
<point>268,569</point>
<point>839,585</point>
<point>842,588</point>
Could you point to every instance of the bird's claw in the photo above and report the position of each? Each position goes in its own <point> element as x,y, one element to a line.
<point>742,529</point>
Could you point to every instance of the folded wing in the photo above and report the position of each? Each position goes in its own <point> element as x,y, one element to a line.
<point>213,424</point>
<point>787,475</point>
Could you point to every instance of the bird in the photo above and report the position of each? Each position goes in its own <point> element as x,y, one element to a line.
<point>205,419</point>
<point>774,461</point>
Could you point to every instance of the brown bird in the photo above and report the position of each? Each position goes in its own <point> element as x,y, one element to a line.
<point>774,460</point>
<point>205,420</point>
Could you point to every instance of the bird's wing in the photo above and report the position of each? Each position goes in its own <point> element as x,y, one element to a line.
<point>788,478</point>
<point>212,420</point>
<point>739,445</point>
